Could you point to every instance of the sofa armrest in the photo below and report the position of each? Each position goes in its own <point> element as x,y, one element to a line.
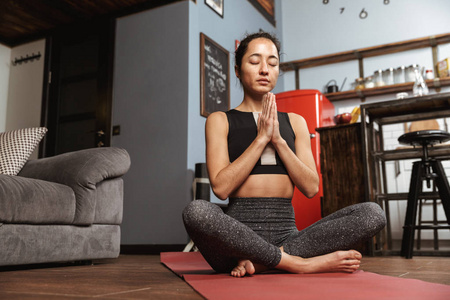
<point>81,170</point>
<point>84,167</point>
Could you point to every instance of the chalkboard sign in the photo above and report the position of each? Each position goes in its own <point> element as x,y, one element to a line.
<point>214,77</point>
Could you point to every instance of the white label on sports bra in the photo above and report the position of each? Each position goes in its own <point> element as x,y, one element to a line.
<point>268,155</point>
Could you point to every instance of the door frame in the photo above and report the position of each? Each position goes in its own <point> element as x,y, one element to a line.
<point>49,111</point>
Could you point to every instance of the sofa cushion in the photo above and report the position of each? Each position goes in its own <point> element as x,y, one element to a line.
<point>16,147</point>
<point>32,201</point>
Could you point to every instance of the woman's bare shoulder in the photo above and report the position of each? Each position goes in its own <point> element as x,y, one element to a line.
<point>217,119</point>
<point>298,124</point>
<point>296,119</point>
<point>217,115</point>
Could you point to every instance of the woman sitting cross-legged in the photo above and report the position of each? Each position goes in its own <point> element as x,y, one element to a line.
<point>255,156</point>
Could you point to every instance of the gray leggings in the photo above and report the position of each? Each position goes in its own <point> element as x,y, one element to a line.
<point>256,228</point>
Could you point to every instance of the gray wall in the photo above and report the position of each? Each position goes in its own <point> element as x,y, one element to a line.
<point>157,105</point>
<point>150,105</point>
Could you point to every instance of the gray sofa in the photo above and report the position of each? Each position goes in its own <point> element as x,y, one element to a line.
<point>63,208</point>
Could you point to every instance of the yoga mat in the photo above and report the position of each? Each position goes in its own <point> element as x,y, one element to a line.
<point>360,285</point>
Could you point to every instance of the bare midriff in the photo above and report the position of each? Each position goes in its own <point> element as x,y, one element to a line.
<point>265,185</point>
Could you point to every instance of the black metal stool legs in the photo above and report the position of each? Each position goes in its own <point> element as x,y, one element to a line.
<point>443,187</point>
<point>415,188</point>
<point>421,171</point>
<point>418,175</point>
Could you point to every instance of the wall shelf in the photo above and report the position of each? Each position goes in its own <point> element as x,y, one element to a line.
<point>387,89</point>
<point>360,54</point>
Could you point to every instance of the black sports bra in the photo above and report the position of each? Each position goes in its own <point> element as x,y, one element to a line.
<point>242,130</point>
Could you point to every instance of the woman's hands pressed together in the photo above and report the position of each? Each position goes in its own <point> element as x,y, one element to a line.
<point>268,125</point>
<point>300,165</point>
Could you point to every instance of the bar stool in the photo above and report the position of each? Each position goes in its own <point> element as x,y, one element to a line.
<point>420,172</point>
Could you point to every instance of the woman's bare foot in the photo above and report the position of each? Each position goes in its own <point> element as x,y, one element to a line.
<point>339,261</point>
<point>245,266</point>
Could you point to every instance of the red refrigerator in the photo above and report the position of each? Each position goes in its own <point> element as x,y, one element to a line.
<point>318,111</point>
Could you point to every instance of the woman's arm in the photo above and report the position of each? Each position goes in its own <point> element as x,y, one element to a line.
<point>300,165</point>
<point>223,176</point>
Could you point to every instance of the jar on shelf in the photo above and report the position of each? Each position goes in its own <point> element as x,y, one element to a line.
<point>358,84</point>
<point>399,75</point>
<point>369,82</point>
<point>388,76</point>
<point>378,78</point>
<point>410,74</point>
<point>429,74</point>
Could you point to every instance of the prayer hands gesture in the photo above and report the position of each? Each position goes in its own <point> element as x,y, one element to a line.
<point>268,125</point>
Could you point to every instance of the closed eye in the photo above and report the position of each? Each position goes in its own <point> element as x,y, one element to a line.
<point>273,62</point>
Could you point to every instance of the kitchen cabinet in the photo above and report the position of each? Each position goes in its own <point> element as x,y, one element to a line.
<point>342,169</point>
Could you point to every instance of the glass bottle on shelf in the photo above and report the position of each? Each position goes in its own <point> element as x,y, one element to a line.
<point>420,88</point>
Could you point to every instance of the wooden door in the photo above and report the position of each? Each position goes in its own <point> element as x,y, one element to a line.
<point>78,88</point>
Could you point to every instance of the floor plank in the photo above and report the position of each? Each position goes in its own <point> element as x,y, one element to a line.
<point>129,277</point>
<point>144,277</point>
<point>430,269</point>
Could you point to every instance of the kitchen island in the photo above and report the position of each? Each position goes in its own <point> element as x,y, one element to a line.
<point>374,117</point>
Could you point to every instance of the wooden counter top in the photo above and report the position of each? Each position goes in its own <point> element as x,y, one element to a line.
<point>398,110</point>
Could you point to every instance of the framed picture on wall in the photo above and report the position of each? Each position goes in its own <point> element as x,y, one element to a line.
<point>266,8</point>
<point>214,77</point>
<point>216,5</point>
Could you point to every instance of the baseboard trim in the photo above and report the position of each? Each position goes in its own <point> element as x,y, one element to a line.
<point>150,249</point>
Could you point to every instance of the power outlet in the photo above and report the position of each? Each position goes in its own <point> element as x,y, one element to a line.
<point>116,130</point>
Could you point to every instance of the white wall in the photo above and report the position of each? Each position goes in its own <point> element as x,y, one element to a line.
<point>25,89</point>
<point>311,28</point>
<point>5,64</point>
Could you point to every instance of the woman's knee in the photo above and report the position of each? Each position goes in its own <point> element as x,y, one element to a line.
<point>375,214</point>
<point>198,212</point>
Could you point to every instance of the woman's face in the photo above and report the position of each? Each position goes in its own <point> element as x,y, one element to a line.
<point>260,67</point>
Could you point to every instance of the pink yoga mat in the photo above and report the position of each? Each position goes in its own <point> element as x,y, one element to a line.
<point>359,285</point>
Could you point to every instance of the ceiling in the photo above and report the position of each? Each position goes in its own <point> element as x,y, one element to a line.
<point>22,21</point>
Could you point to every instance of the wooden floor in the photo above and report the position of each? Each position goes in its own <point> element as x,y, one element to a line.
<point>144,277</point>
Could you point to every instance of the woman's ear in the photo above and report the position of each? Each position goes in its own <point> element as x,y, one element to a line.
<point>236,70</point>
